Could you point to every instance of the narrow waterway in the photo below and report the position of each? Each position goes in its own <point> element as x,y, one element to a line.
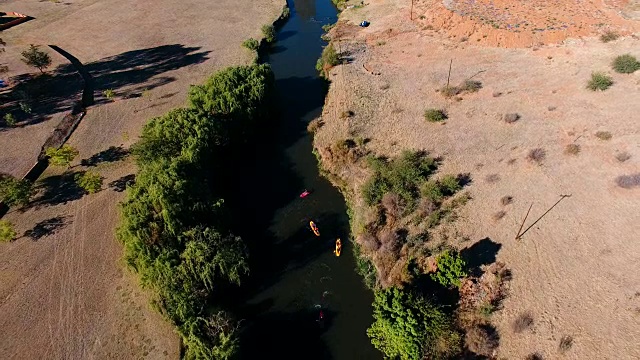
<point>294,274</point>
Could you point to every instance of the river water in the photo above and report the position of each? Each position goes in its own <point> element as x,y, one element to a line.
<point>294,274</point>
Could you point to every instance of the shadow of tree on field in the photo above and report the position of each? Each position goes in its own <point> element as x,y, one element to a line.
<point>112,154</point>
<point>57,189</point>
<point>127,74</point>
<point>47,227</point>
<point>120,185</point>
<point>483,252</point>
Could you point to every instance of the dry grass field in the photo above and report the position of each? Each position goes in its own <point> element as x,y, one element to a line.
<point>531,133</point>
<point>63,291</point>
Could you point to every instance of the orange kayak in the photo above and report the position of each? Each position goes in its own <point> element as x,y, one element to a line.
<point>314,228</point>
<point>338,249</point>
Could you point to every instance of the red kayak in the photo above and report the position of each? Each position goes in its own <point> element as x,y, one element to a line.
<point>304,194</point>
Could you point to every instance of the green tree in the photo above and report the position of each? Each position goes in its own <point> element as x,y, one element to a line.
<point>407,326</point>
<point>7,233</point>
<point>62,156</point>
<point>451,268</point>
<point>36,58</point>
<point>15,191</point>
<point>90,181</point>
<point>269,33</point>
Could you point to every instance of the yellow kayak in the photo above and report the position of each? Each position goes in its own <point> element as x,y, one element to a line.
<point>314,228</point>
<point>338,247</point>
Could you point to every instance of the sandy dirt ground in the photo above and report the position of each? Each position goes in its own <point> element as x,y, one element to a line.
<point>575,271</point>
<point>64,294</point>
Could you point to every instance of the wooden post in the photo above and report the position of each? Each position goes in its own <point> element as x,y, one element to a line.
<point>449,76</point>
<point>411,13</point>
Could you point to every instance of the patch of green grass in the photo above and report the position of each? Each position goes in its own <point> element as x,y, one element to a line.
<point>625,64</point>
<point>435,115</point>
<point>599,81</point>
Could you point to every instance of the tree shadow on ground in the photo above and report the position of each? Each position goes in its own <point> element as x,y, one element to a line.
<point>47,227</point>
<point>481,253</point>
<point>126,74</point>
<point>57,189</point>
<point>121,184</point>
<point>112,154</point>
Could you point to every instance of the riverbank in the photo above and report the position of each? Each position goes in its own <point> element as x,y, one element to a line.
<point>519,128</point>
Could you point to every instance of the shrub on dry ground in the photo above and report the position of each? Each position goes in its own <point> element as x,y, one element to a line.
<point>468,86</point>
<point>522,322</point>
<point>534,356</point>
<point>402,175</point>
<point>347,114</point>
<point>7,232</point>
<point>625,64</point>
<point>393,205</point>
<point>572,149</point>
<point>623,156</point>
<point>482,340</point>
<point>565,343</point>
<point>599,81</point>
<point>492,178</point>
<point>628,181</point>
<point>499,215</point>
<point>511,118</point>
<point>609,36</point>
<point>506,200</point>
<point>435,115</point>
<point>604,135</point>
<point>537,155</point>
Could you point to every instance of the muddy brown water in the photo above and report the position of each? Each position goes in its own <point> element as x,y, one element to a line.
<point>294,274</point>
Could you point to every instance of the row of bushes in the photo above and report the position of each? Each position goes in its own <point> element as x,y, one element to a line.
<point>173,218</point>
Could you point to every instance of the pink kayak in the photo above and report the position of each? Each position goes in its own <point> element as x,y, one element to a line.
<point>304,194</point>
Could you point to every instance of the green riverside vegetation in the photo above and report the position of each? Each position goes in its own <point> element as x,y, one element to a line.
<point>173,218</point>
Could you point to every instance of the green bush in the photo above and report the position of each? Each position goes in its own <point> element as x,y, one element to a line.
<point>451,268</point>
<point>251,44</point>
<point>625,64</point>
<point>599,81</point>
<point>435,115</point>
<point>14,191</point>
<point>431,190</point>
<point>9,119</point>
<point>90,181</point>
<point>109,94</point>
<point>449,185</point>
<point>173,224</point>
<point>407,326</point>
<point>402,176</point>
<point>269,33</point>
<point>7,232</point>
<point>62,156</point>
<point>328,59</point>
<point>285,12</point>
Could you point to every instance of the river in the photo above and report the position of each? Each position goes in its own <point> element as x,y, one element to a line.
<point>294,274</point>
